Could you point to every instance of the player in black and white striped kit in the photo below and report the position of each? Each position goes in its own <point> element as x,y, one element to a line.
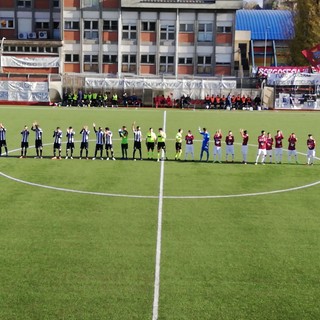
<point>57,135</point>
<point>70,142</point>
<point>38,139</point>
<point>108,140</point>
<point>24,142</point>
<point>99,141</point>
<point>84,141</point>
<point>137,138</point>
<point>3,141</point>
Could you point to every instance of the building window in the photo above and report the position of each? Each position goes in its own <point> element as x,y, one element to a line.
<point>186,27</point>
<point>56,3</point>
<point>204,65</point>
<point>6,23</point>
<point>91,63</point>
<point>148,58</point>
<point>110,25</point>
<point>72,58</point>
<point>42,25</point>
<point>185,61</point>
<point>89,3</point>
<point>148,26</point>
<point>129,63</point>
<point>71,25</point>
<point>166,64</point>
<point>24,3</point>
<point>110,58</point>
<point>205,32</point>
<point>129,32</point>
<point>91,29</point>
<point>222,29</point>
<point>167,32</point>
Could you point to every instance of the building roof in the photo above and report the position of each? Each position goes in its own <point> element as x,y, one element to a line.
<point>270,24</point>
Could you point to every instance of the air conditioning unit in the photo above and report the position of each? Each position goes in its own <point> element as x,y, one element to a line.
<point>22,35</point>
<point>32,35</point>
<point>43,35</point>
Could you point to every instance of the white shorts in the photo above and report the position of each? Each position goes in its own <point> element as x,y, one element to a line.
<point>292,153</point>
<point>189,148</point>
<point>278,151</point>
<point>269,152</point>
<point>244,149</point>
<point>262,152</point>
<point>229,149</point>
<point>216,150</point>
<point>311,153</point>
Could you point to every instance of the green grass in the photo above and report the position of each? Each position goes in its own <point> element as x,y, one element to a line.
<point>81,256</point>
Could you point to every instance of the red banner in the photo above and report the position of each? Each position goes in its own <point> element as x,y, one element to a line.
<point>264,71</point>
<point>313,55</point>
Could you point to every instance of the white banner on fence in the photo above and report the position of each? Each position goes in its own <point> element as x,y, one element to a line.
<point>291,79</point>
<point>24,91</point>
<point>27,62</point>
<point>159,84</point>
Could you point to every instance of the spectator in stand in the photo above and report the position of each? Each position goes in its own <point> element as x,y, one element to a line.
<point>223,101</point>
<point>269,146</point>
<point>262,148</point>
<point>217,102</point>
<point>169,101</point>
<point>212,101</point>
<point>278,146</point>
<point>292,152</point>
<point>243,102</point>
<point>207,102</point>
<point>230,146</point>
<point>244,147</point>
<point>233,101</point>
<point>238,102</point>
<point>311,144</point>
<point>248,102</point>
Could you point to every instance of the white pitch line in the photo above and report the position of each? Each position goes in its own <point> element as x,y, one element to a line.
<point>155,311</point>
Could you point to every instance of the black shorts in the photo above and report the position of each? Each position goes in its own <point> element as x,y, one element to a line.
<point>150,146</point>
<point>38,143</point>
<point>161,145</point>
<point>99,146</point>
<point>70,145</point>
<point>84,145</point>
<point>57,146</point>
<point>3,143</point>
<point>178,145</point>
<point>108,146</point>
<point>24,144</point>
<point>124,146</point>
<point>137,145</point>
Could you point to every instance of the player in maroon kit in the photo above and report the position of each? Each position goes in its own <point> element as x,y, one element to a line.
<point>269,146</point>
<point>311,144</point>
<point>278,146</point>
<point>244,147</point>
<point>189,145</point>
<point>262,148</point>
<point>217,145</point>
<point>292,147</point>
<point>230,146</point>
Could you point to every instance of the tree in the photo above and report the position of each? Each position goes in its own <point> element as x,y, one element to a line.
<point>307,30</point>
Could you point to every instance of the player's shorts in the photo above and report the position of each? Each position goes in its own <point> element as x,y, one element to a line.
<point>137,145</point>
<point>189,148</point>
<point>38,143</point>
<point>99,146</point>
<point>70,145</point>
<point>244,149</point>
<point>150,145</point>
<point>3,143</point>
<point>178,146</point>
<point>278,151</point>
<point>57,146</point>
<point>161,145</point>
<point>84,145</point>
<point>269,153</point>
<point>24,144</point>
<point>124,146</point>
<point>311,153</point>
<point>229,149</point>
<point>262,152</point>
<point>205,147</point>
<point>216,150</point>
<point>108,146</point>
<point>292,153</point>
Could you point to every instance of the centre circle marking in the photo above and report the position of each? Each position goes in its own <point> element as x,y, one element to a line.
<point>157,197</point>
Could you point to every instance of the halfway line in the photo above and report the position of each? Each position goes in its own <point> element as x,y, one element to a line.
<point>159,234</point>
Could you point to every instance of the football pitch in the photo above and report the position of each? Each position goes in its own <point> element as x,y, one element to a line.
<point>176,240</point>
